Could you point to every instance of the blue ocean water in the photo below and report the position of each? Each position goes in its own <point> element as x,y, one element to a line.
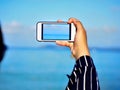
<point>46,68</point>
<point>56,37</point>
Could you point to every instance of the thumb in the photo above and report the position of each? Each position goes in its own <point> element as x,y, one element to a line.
<point>63,43</point>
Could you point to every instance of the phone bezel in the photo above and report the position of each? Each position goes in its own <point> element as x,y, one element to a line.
<point>39,32</point>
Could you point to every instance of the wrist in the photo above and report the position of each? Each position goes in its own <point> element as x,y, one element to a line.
<point>82,53</point>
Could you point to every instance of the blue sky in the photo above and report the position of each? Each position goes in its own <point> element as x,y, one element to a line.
<point>100,18</point>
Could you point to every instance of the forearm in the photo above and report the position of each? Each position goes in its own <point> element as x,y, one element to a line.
<point>84,75</point>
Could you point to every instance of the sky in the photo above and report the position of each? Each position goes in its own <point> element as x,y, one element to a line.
<point>99,17</point>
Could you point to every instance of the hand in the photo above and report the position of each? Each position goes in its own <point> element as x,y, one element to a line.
<point>79,47</point>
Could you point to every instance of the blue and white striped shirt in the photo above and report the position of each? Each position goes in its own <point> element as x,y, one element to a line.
<point>84,75</point>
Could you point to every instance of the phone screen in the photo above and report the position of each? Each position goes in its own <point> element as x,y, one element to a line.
<point>58,31</point>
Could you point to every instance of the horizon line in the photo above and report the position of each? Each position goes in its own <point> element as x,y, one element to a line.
<point>60,47</point>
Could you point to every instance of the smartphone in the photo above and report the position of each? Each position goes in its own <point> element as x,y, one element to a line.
<point>53,31</point>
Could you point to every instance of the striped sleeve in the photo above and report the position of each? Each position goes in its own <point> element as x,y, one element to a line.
<point>84,75</point>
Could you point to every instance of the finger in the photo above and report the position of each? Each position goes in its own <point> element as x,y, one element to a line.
<point>59,21</point>
<point>72,19</point>
<point>76,22</point>
<point>63,43</point>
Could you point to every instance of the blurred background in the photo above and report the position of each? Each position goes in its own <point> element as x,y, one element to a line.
<point>27,64</point>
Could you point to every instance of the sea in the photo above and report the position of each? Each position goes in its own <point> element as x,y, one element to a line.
<point>45,68</point>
